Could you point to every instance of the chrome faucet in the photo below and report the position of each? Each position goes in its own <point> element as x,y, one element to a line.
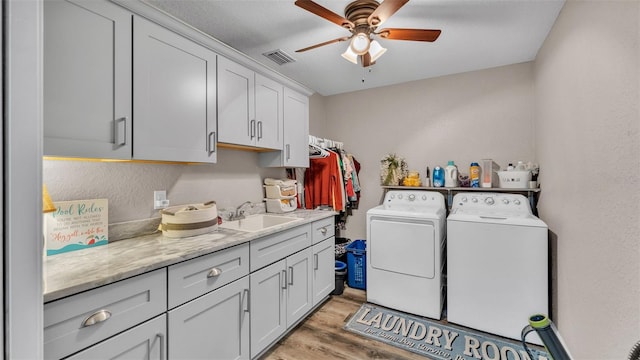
<point>240,212</point>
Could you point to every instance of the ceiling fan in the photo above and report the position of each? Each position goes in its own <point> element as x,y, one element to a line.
<point>362,18</point>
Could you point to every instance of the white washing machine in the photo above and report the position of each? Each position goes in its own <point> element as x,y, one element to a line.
<point>497,263</point>
<point>405,244</point>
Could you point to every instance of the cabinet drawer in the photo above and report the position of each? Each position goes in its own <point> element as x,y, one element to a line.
<point>145,342</point>
<point>198,276</point>
<point>270,249</point>
<point>323,229</point>
<point>67,327</point>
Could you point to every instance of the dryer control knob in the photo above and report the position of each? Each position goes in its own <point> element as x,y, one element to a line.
<point>411,197</point>
<point>474,200</point>
<point>505,201</point>
<point>489,201</point>
<point>464,199</point>
<point>424,197</point>
<point>399,196</point>
<point>392,196</point>
<point>517,202</point>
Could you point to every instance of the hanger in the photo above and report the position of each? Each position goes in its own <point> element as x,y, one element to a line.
<point>316,152</point>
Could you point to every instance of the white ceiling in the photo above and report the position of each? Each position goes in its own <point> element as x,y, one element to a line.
<point>476,34</point>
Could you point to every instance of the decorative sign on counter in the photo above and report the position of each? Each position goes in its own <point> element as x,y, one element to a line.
<point>76,225</point>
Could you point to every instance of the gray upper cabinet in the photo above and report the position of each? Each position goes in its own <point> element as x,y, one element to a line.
<point>295,152</point>
<point>174,93</point>
<point>269,114</point>
<point>249,107</point>
<point>87,79</point>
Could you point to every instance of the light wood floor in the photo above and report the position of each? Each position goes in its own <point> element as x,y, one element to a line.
<point>321,336</point>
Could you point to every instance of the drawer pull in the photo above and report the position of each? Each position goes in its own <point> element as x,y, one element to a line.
<point>248,299</point>
<point>323,231</point>
<point>97,317</point>
<point>290,275</point>
<point>214,273</point>
<point>315,262</point>
<point>160,336</point>
<point>284,277</point>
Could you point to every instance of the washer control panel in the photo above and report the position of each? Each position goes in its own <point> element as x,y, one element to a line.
<point>416,199</point>
<point>491,202</point>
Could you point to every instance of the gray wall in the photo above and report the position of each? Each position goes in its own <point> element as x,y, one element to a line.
<point>588,142</point>
<point>464,117</point>
<point>129,186</point>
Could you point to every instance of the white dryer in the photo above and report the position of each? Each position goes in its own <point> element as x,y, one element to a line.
<point>405,244</point>
<point>497,263</point>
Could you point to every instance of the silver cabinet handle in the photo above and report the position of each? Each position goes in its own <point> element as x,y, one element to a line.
<point>120,131</point>
<point>315,262</point>
<point>161,337</point>
<point>284,277</point>
<point>252,129</point>
<point>97,317</point>
<point>323,231</point>
<point>215,272</point>
<point>290,275</point>
<point>259,130</point>
<point>248,297</point>
<point>288,147</point>
<point>212,142</point>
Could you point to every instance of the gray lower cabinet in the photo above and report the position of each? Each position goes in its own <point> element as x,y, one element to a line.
<point>144,342</point>
<point>87,79</point>
<point>323,269</point>
<point>174,95</point>
<point>281,295</point>
<point>77,322</point>
<point>229,304</point>
<point>214,326</point>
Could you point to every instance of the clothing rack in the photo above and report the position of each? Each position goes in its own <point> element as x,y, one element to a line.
<point>322,143</point>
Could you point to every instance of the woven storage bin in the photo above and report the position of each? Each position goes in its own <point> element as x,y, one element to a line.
<point>189,220</point>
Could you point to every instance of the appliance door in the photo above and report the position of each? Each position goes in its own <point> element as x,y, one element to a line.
<point>497,276</point>
<point>403,264</point>
<point>404,246</point>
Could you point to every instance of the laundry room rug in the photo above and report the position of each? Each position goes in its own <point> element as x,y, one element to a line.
<point>435,340</point>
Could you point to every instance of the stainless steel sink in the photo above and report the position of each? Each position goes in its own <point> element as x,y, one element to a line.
<point>258,222</point>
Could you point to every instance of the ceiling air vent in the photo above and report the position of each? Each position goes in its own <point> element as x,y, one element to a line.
<point>279,57</point>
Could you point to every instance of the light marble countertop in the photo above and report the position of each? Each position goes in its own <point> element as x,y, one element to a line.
<point>73,272</point>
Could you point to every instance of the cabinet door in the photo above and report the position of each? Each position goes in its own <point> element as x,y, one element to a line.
<point>174,92</point>
<point>268,305</point>
<point>145,342</point>
<point>299,286</point>
<point>323,269</point>
<point>214,326</point>
<point>236,104</point>
<point>295,151</point>
<point>296,129</point>
<point>87,79</point>
<point>269,114</point>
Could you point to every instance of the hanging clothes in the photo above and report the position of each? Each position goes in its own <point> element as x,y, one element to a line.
<point>324,183</point>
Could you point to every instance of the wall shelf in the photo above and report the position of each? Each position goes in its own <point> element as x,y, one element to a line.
<point>531,194</point>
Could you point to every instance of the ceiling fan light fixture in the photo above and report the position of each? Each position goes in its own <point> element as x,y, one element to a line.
<point>360,43</point>
<point>376,50</point>
<point>350,55</point>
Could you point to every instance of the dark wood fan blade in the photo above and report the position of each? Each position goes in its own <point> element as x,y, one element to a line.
<point>384,11</point>
<point>324,13</point>
<point>409,34</point>
<point>325,43</point>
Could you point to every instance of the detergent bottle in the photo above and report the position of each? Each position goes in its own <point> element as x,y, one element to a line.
<point>451,175</point>
<point>474,174</point>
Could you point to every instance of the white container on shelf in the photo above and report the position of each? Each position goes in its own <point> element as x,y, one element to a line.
<point>514,179</point>
<point>281,205</point>
<point>280,191</point>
